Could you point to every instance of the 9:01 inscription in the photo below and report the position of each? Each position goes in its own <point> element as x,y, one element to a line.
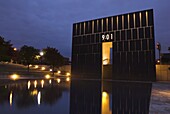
<point>107,37</point>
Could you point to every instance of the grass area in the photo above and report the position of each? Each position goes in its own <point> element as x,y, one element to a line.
<point>7,69</point>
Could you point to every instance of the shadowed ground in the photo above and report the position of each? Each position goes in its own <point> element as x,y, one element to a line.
<point>160,98</point>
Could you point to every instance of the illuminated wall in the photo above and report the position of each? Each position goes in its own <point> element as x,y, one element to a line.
<point>132,37</point>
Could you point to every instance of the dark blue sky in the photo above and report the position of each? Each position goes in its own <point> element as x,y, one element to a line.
<point>42,23</point>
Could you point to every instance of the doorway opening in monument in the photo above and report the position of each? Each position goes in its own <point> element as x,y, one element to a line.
<point>106,53</point>
<point>107,60</point>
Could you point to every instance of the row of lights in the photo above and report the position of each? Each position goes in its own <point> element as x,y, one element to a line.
<point>16,76</point>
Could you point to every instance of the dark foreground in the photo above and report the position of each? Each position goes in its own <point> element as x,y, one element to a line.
<point>63,96</point>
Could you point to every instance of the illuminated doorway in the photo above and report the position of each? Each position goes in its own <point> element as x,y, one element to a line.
<point>107,60</point>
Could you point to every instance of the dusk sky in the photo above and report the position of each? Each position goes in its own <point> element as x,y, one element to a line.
<point>42,23</point>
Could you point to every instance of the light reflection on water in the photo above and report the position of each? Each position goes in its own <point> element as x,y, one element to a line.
<point>34,96</point>
<point>78,97</point>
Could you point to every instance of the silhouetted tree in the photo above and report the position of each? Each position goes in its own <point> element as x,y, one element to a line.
<point>27,55</point>
<point>169,49</point>
<point>6,50</point>
<point>53,57</point>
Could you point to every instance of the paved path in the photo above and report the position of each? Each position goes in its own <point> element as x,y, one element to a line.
<point>160,98</point>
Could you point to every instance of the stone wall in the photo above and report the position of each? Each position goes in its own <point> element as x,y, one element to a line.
<point>163,72</point>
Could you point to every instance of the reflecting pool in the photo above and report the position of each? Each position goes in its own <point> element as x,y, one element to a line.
<point>63,96</point>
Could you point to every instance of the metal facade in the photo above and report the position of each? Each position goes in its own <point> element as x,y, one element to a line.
<point>133,56</point>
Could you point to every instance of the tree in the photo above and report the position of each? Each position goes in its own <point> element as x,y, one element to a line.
<point>169,49</point>
<point>6,50</point>
<point>53,57</point>
<point>27,54</point>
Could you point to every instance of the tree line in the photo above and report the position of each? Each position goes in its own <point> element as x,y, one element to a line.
<point>29,55</point>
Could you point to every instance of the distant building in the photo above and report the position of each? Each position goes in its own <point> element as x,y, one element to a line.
<point>165,58</point>
<point>118,47</point>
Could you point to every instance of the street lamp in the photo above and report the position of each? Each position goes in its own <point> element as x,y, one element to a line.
<point>41,54</point>
<point>158,47</point>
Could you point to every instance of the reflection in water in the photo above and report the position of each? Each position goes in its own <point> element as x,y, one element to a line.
<point>35,84</point>
<point>105,103</point>
<point>95,97</point>
<point>29,84</point>
<point>49,81</point>
<point>58,80</point>
<point>85,97</point>
<point>10,98</point>
<point>43,95</point>
<point>39,98</point>
<point>42,83</point>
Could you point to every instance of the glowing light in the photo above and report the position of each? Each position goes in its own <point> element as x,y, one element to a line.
<point>58,80</point>
<point>34,92</point>
<point>36,66</point>
<point>39,98</point>
<point>158,61</point>
<point>41,53</point>
<point>47,76</point>
<point>51,70</point>
<point>42,68</point>
<point>104,94</point>
<point>105,62</point>
<point>10,98</point>
<point>49,81</point>
<point>35,83</point>
<point>67,74</point>
<point>29,84</point>
<point>67,79</point>
<point>15,49</point>
<point>42,83</point>
<point>14,76</point>
<point>30,65</point>
<point>106,103</point>
<point>59,72</point>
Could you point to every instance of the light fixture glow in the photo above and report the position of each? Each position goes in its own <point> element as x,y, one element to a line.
<point>42,68</point>
<point>14,76</point>
<point>47,76</point>
<point>15,49</point>
<point>36,66</point>
<point>59,72</point>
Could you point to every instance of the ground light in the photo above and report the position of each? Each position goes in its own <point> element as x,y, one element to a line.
<point>42,68</point>
<point>47,76</point>
<point>36,66</point>
<point>59,72</point>
<point>14,76</point>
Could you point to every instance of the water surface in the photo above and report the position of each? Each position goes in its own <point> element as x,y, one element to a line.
<point>74,97</point>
